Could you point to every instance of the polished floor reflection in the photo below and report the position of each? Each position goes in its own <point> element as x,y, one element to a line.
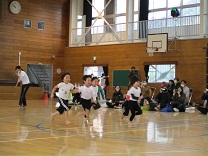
<point>30,132</point>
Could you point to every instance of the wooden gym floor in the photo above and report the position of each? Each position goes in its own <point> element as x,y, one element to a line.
<point>30,132</point>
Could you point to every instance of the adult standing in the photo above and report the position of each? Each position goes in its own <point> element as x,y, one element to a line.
<point>22,77</point>
<point>132,73</point>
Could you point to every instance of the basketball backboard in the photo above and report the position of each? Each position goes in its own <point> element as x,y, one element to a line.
<point>157,43</point>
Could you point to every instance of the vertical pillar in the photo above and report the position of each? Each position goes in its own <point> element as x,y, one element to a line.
<point>205,16</point>
<point>129,20</point>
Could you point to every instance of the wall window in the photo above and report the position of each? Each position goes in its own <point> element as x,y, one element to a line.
<point>136,5</point>
<point>99,5</point>
<point>174,3</point>
<point>187,2</point>
<point>191,11</point>
<point>161,73</point>
<point>158,10</point>
<point>79,25</point>
<point>121,6</point>
<point>156,4</point>
<point>98,27</point>
<point>121,23</point>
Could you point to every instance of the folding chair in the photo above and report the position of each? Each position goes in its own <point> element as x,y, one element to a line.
<point>191,91</point>
<point>153,92</point>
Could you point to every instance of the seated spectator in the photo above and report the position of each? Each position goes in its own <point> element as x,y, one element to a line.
<point>204,109</point>
<point>178,102</point>
<point>146,92</point>
<point>177,82</point>
<point>171,87</point>
<point>117,98</point>
<point>185,90</point>
<point>163,97</point>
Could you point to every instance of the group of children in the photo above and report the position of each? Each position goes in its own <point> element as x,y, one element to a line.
<point>88,99</point>
<point>88,96</point>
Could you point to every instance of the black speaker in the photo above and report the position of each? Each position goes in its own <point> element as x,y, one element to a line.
<point>1,10</point>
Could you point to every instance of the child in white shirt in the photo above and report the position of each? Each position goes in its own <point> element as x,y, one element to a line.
<point>64,90</point>
<point>88,96</point>
<point>95,88</point>
<point>134,92</point>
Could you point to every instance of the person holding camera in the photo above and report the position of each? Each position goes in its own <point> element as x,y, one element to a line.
<point>179,98</point>
<point>163,97</point>
<point>204,109</point>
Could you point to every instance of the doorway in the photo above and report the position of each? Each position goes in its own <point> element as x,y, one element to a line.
<point>100,71</point>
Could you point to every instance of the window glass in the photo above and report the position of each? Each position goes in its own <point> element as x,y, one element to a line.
<point>161,73</point>
<point>157,15</point>
<point>191,11</point>
<point>136,5</point>
<point>99,5</point>
<point>174,3</point>
<point>136,19</point>
<point>121,23</point>
<point>156,4</point>
<point>121,6</point>
<point>187,2</point>
<point>79,25</point>
<point>98,27</point>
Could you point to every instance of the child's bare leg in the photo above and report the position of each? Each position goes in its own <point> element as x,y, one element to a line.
<point>88,117</point>
<point>67,117</point>
<point>53,114</point>
<point>122,117</point>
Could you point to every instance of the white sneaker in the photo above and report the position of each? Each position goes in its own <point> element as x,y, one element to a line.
<point>175,110</point>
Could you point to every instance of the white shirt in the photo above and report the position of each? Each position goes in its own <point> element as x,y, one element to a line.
<point>87,93</point>
<point>135,91</point>
<point>186,91</point>
<point>95,90</point>
<point>64,90</point>
<point>23,77</point>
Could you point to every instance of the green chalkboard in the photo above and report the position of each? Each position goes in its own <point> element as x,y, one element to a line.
<point>120,77</point>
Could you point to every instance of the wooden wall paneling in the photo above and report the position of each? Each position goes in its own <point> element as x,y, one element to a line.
<point>36,46</point>
<point>191,61</point>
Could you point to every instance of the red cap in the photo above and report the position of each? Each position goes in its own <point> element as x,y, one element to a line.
<point>163,84</point>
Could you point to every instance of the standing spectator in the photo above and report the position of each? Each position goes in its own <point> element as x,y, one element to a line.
<point>132,72</point>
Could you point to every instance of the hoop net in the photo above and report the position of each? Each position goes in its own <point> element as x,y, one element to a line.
<point>151,50</point>
<point>151,54</point>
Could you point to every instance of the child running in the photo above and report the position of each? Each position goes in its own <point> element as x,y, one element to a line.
<point>88,96</point>
<point>95,88</point>
<point>64,89</point>
<point>134,93</point>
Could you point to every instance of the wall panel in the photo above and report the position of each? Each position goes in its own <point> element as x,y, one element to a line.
<point>36,46</point>
<point>191,61</point>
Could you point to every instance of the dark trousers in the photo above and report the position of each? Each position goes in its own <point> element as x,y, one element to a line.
<point>126,108</point>
<point>135,109</point>
<point>180,107</point>
<point>203,110</point>
<point>22,100</point>
<point>110,105</point>
<point>76,97</point>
